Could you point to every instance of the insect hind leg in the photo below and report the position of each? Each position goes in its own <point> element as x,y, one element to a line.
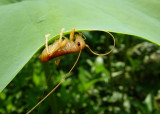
<point>46,44</point>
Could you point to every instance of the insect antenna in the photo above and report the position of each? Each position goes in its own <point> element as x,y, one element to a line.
<point>56,85</point>
<point>104,53</point>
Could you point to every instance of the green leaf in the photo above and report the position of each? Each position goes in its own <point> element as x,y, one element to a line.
<point>24,24</point>
<point>149,102</point>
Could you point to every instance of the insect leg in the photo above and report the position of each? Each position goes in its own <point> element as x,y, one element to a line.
<point>72,34</point>
<point>55,49</point>
<point>60,38</point>
<point>61,43</point>
<point>46,36</point>
<point>58,60</point>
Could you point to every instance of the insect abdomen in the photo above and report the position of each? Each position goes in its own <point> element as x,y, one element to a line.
<point>70,47</point>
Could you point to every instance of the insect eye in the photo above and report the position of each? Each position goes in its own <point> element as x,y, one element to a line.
<point>78,43</point>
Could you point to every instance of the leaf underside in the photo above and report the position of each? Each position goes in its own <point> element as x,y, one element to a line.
<point>24,24</point>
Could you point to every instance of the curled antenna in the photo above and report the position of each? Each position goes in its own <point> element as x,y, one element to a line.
<point>104,53</point>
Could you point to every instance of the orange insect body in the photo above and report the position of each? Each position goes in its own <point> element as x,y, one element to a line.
<point>70,47</point>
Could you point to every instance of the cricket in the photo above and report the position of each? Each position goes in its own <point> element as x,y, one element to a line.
<point>75,43</point>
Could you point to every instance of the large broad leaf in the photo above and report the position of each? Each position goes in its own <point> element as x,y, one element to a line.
<point>24,24</point>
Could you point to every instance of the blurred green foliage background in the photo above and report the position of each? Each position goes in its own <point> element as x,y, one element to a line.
<point>125,81</point>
